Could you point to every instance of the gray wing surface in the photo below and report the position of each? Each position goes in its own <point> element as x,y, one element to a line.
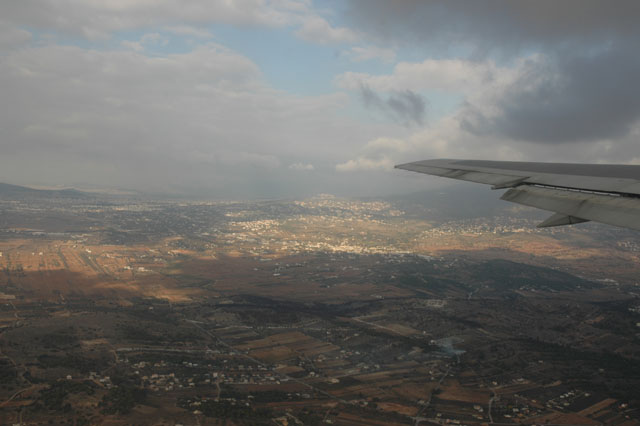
<point>606,193</point>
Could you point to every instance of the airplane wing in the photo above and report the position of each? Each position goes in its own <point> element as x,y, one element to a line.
<point>577,193</point>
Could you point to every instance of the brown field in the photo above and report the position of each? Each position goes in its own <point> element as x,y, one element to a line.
<point>275,354</point>
<point>284,387</point>
<point>54,270</point>
<point>348,419</point>
<point>565,419</point>
<point>452,391</point>
<point>597,407</point>
<point>414,391</point>
<point>283,346</point>
<point>398,408</point>
<point>289,369</point>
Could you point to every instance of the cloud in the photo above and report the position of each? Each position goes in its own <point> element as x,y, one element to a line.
<point>146,41</point>
<point>569,96</point>
<point>503,25</point>
<point>189,31</point>
<point>301,167</point>
<point>444,139</point>
<point>573,97</point>
<point>378,154</point>
<point>203,119</point>
<point>154,38</point>
<point>98,19</point>
<point>366,164</point>
<point>453,75</point>
<point>577,84</point>
<point>133,45</point>
<point>209,118</point>
<point>225,157</point>
<point>317,30</point>
<point>361,54</point>
<point>12,36</point>
<point>406,106</point>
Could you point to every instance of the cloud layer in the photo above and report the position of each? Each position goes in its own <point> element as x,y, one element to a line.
<point>279,97</point>
<point>203,115</point>
<point>501,25</point>
<point>540,77</point>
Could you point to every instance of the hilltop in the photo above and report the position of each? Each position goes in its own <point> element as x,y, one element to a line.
<point>16,191</point>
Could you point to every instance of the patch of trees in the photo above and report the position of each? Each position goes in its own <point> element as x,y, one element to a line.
<point>504,275</point>
<point>268,316</point>
<point>121,399</point>
<point>263,396</point>
<point>132,332</point>
<point>53,398</point>
<point>621,373</point>
<point>72,361</point>
<point>58,340</point>
<point>237,411</point>
<point>310,418</point>
<point>8,372</point>
<point>184,335</point>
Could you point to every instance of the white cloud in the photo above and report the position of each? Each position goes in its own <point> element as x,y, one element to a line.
<point>377,154</point>
<point>301,167</point>
<point>97,19</point>
<point>480,83</point>
<point>225,157</point>
<point>366,164</point>
<point>12,36</point>
<point>317,30</point>
<point>444,139</point>
<point>154,38</point>
<point>206,117</point>
<point>360,54</point>
<point>452,75</point>
<point>189,31</point>
<point>133,45</point>
<point>483,86</point>
<point>146,41</point>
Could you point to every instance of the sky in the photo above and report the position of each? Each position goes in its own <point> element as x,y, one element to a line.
<point>289,98</point>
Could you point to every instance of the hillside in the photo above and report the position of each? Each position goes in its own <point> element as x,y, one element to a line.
<point>9,191</point>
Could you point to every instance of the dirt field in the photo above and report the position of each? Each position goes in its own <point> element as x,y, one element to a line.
<point>452,391</point>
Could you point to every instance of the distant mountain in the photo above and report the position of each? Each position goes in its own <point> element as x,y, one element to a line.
<point>8,191</point>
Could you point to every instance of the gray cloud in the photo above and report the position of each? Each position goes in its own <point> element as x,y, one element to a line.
<point>98,20</point>
<point>203,120</point>
<point>208,120</point>
<point>569,97</point>
<point>11,36</point>
<point>405,106</point>
<point>582,87</point>
<point>497,24</point>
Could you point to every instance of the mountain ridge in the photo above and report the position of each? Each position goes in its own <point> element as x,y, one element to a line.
<point>11,190</point>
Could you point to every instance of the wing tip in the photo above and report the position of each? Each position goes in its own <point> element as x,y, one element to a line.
<point>401,166</point>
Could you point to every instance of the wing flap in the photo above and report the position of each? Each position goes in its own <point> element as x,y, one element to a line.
<point>610,209</point>
<point>559,219</point>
